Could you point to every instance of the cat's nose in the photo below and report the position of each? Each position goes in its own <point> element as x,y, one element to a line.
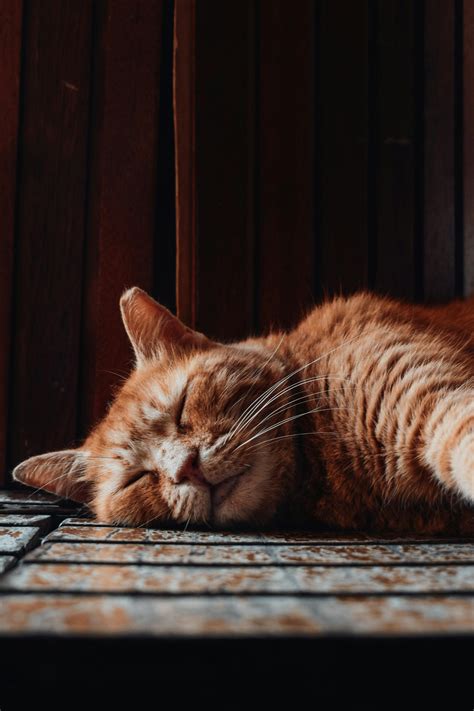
<point>191,472</point>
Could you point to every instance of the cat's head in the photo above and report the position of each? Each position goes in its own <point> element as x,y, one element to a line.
<point>187,438</point>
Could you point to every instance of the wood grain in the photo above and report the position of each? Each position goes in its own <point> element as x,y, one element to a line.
<point>184,103</point>
<point>122,189</point>
<point>343,145</point>
<point>235,580</point>
<point>395,148</point>
<point>226,554</point>
<point>180,617</point>
<point>51,197</point>
<point>439,239</point>
<point>285,188</point>
<point>11,14</point>
<point>84,530</point>
<point>468,146</point>
<point>225,118</point>
<point>214,137</point>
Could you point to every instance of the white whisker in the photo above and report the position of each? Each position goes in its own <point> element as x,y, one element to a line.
<point>290,403</point>
<point>290,419</point>
<point>258,373</point>
<point>265,404</point>
<point>272,388</point>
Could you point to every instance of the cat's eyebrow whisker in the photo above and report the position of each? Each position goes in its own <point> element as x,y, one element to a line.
<point>290,419</point>
<point>265,404</point>
<point>122,376</point>
<point>272,388</point>
<point>260,370</point>
<point>102,459</point>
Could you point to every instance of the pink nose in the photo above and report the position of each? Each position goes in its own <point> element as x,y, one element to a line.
<point>190,471</point>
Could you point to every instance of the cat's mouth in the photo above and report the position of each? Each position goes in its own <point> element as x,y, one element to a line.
<point>222,491</point>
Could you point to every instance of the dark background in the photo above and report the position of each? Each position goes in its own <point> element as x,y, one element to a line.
<point>239,159</point>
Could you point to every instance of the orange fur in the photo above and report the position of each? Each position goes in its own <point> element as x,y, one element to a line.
<point>361,417</point>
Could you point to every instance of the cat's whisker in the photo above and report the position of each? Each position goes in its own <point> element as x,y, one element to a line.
<point>288,436</point>
<point>287,389</point>
<point>284,392</point>
<point>251,416</point>
<point>285,406</point>
<point>102,459</point>
<point>48,483</point>
<point>259,372</point>
<point>290,419</point>
<point>290,403</point>
<point>122,376</point>
<point>334,435</point>
<point>143,525</point>
<point>272,388</point>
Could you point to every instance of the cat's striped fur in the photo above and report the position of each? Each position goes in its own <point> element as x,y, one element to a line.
<point>362,417</point>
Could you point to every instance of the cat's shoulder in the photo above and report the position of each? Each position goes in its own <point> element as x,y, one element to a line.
<point>361,304</point>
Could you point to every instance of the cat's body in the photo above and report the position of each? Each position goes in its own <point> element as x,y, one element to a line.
<point>389,373</point>
<point>360,418</point>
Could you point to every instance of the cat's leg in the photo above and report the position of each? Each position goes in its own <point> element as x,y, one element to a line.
<point>449,442</point>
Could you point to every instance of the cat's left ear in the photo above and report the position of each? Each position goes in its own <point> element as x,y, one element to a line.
<point>60,473</point>
<point>153,329</point>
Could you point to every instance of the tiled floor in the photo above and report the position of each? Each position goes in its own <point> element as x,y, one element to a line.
<point>87,606</point>
<point>66,575</point>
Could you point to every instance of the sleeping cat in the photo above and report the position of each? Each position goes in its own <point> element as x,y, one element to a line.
<point>360,418</point>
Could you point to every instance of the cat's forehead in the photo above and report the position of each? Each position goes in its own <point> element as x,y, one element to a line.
<point>230,365</point>
<point>204,373</point>
<point>164,383</point>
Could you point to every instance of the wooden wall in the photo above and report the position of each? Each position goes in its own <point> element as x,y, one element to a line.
<point>238,159</point>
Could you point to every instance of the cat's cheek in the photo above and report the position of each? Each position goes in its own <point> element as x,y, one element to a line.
<point>131,506</point>
<point>102,505</point>
<point>252,502</point>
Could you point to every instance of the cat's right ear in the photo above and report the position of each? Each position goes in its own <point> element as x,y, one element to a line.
<point>152,329</point>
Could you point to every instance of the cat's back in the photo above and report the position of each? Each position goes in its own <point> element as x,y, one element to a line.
<point>377,368</point>
<point>347,319</point>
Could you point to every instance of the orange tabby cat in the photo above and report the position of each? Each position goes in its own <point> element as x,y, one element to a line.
<point>362,417</point>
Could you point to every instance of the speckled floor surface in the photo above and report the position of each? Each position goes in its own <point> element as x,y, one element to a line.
<point>64,575</point>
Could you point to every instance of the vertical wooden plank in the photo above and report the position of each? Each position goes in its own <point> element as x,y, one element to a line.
<point>50,225</point>
<point>184,102</point>
<point>343,178</point>
<point>10,54</point>
<point>439,269</point>
<point>224,162</point>
<point>214,105</point>
<point>165,256</point>
<point>285,275</point>
<point>122,193</point>
<point>467,148</point>
<point>395,183</point>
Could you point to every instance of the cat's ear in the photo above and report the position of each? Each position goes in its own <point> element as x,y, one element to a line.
<point>61,473</point>
<point>153,329</point>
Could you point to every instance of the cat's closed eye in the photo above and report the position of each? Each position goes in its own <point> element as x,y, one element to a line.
<point>137,476</point>
<point>180,424</point>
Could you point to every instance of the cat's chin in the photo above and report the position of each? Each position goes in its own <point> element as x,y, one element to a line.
<point>241,500</point>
